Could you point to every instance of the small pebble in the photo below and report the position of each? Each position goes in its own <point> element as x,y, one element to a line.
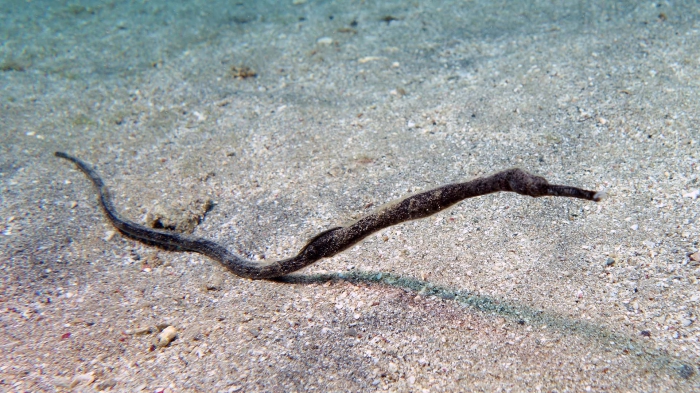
<point>324,41</point>
<point>109,235</point>
<point>166,336</point>
<point>695,257</point>
<point>214,284</point>
<point>609,262</point>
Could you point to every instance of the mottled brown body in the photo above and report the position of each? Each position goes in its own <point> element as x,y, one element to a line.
<point>333,241</point>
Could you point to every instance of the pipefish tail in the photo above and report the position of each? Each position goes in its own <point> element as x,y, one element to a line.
<point>334,240</point>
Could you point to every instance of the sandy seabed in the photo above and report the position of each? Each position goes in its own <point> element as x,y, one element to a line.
<point>296,117</point>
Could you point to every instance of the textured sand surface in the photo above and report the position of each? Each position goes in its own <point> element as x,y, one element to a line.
<point>355,104</point>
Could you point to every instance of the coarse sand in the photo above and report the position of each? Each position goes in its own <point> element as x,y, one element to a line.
<point>260,124</point>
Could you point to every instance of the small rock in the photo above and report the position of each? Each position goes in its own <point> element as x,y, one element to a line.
<point>695,257</point>
<point>181,216</point>
<point>645,333</point>
<point>165,337</point>
<point>351,332</point>
<point>686,322</point>
<point>243,72</point>
<point>109,235</point>
<point>215,283</point>
<point>609,262</point>
<point>324,41</point>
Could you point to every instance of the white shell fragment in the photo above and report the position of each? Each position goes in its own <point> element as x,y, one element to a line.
<point>166,336</point>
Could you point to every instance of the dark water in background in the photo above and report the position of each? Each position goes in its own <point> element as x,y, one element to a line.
<point>112,39</point>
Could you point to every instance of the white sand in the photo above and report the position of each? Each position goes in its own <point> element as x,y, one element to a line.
<point>499,293</point>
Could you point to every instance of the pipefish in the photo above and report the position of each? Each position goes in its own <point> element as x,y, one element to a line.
<point>332,241</point>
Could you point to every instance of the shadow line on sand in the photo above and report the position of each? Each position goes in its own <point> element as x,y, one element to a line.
<point>674,366</point>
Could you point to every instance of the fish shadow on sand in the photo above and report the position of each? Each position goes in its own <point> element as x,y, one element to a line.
<point>522,314</point>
